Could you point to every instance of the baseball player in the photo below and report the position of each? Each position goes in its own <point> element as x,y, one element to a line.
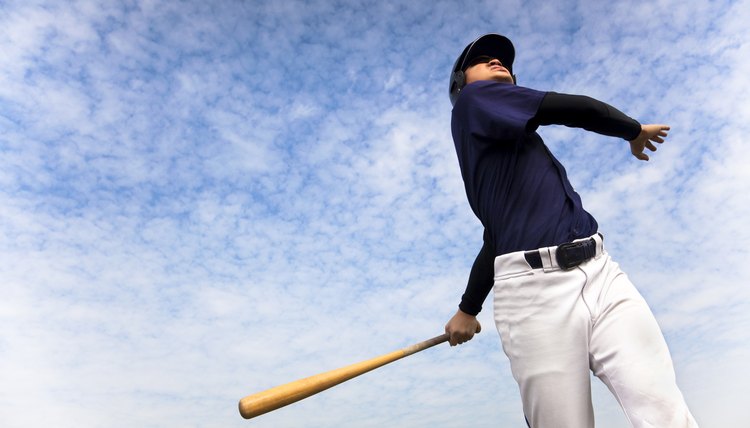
<point>562,306</point>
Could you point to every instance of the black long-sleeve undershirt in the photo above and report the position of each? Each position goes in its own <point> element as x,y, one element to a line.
<point>577,111</point>
<point>580,111</point>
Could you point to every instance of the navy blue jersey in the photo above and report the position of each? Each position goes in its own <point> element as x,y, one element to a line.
<point>515,186</point>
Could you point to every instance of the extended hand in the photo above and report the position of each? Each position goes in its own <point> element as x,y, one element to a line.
<point>462,328</point>
<point>649,135</point>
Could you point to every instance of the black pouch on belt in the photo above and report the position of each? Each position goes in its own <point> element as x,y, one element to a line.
<point>573,254</point>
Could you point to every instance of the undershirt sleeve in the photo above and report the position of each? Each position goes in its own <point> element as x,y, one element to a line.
<point>481,278</point>
<point>580,111</point>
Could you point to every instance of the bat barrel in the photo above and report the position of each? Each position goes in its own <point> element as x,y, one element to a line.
<point>282,395</point>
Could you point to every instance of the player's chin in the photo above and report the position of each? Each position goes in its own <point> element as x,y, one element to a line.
<point>503,77</point>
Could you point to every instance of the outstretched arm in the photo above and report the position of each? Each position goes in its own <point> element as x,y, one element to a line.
<point>580,111</point>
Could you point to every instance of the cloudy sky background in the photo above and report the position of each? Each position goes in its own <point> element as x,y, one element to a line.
<point>202,200</point>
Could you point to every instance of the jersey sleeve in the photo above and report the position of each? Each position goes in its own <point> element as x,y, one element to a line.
<point>496,110</point>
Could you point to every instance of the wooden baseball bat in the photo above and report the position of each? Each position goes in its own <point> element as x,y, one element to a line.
<point>279,396</point>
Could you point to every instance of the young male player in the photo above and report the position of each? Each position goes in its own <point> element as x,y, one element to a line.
<point>562,306</point>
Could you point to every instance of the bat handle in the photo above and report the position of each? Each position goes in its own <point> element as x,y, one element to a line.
<point>429,343</point>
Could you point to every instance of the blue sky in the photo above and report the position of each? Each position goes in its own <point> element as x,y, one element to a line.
<point>201,200</point>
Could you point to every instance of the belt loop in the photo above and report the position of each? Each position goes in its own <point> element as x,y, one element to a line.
<point>599,239</point>
<point>548,257</point>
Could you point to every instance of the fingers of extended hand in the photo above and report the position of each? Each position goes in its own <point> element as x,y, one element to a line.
<point>658,133</point>
<point>659,127</point>
<point>639,154</point>
<point>636,148</point>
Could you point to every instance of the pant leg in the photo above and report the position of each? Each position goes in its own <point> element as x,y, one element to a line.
<point>545,329</point>
<point>628,351</point>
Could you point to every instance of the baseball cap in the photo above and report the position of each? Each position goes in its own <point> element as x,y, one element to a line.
<point>493,45</point>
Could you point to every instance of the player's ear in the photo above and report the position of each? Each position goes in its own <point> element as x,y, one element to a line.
<point>458,81</point>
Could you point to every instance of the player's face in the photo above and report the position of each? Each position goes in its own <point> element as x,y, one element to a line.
<point>487,68</point>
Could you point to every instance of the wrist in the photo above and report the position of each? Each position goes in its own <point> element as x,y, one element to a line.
<point>468,309</point>
<point>460,312</point>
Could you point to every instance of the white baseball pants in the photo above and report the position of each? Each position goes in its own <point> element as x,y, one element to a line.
<point>556,325</point>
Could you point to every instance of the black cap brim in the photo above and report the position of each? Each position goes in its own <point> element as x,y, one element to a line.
<point>494,45</point>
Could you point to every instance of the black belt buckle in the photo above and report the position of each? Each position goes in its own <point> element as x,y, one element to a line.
<point>572,254</point>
